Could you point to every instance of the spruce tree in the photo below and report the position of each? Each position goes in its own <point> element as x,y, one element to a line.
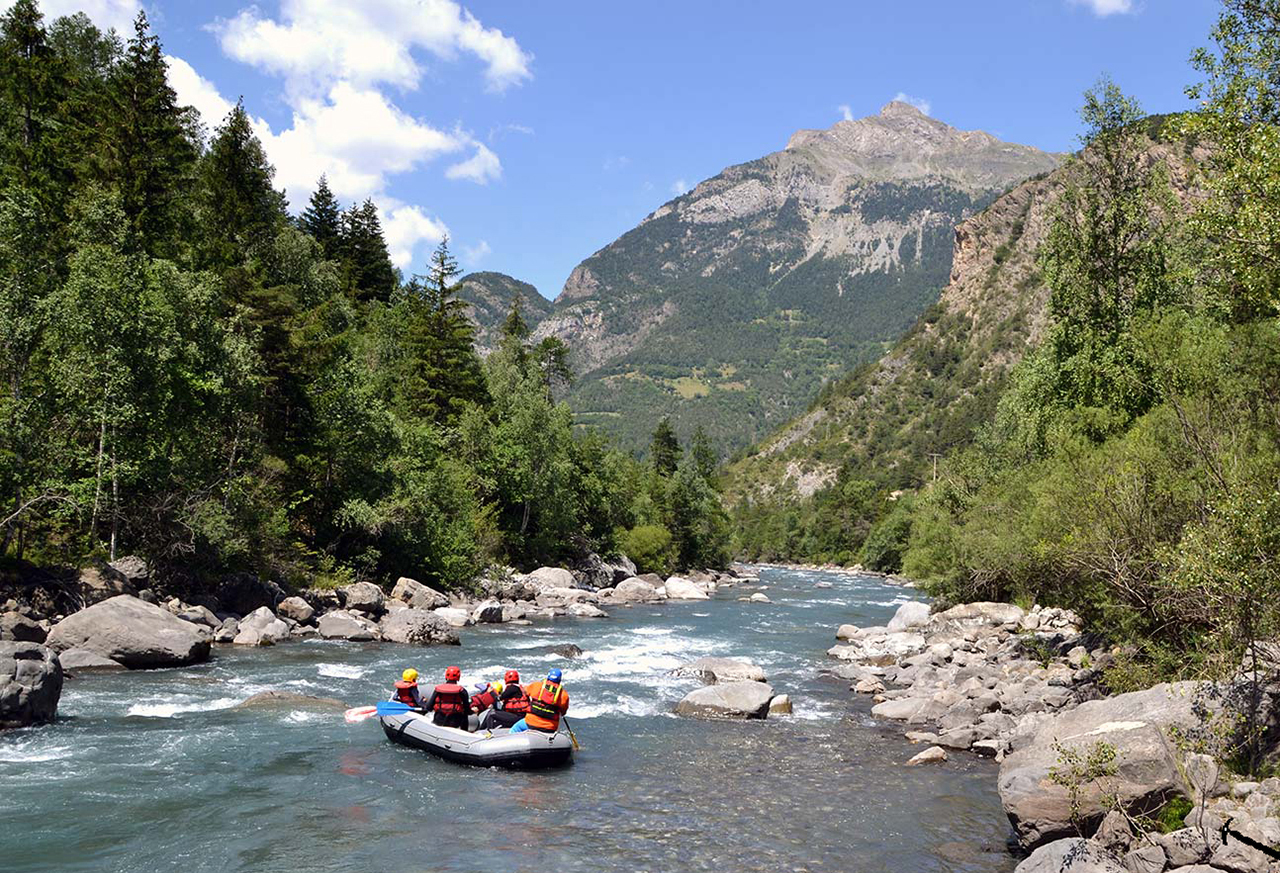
<point>323,219</point>
<point>366,264</point>
<point>664,450</point>
<point>31,87</point>
<point>239,205</point>
<point>704,456</point>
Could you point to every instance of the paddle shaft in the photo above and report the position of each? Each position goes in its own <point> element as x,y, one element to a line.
<point>569,727</point>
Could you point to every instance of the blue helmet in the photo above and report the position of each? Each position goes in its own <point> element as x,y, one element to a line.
<point>554,675</point>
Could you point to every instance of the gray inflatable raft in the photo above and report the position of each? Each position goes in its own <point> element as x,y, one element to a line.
<point>493,748</point>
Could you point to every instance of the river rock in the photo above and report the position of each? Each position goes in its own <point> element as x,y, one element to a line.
<point>343,625</point>
<point>96,584</point>
<point>760,597</point>
<point>728,700</point>
<point>82,659</point>
<point>417,595</point>
<point>909,615</point>
<point>714,671</point>
<point>513,612</point>
<point>489,612</point>
<point>16,627</point>
<point>679,588</point>
<point>634,590</point>
<point>30,684</point>
<point>931,755</point>
<point>456,616</point>
<point>290,699</point>
<point>593,572</point>
<point>780,705</point>
<point>200,615</point>
<point>1187,846</point>
<point>566,650</point>
<point>227,631</point>
<point>623,568</point>
<point>878,646</point>
<point>132,632</point>
<point>297,609</point>
<point>132,570</point>
<point>555,598</point>
<point>587,610</point>
<point>418,627</point>
<point>1147,771</point>
<point>1147,859</point>
<point>364,596</point>
<point>550,577</point>
<point>1074,855</point>
<point>260,628</point>
<point>982,613</point>
<point>242,593</point>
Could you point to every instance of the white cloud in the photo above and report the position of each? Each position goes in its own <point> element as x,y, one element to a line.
<point>918,102</point>
<point>1103,8</point>
<point>477,253</point>
<point>405,228</point>
<point>481,168</point>
<point>496,133</point>
<point>195,90</point>
<point>679,186</point>
<point>317,42</point>
<point>845,112</point>
<point>104,13</point>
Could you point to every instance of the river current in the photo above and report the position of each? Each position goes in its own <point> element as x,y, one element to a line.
<point>158,770</point>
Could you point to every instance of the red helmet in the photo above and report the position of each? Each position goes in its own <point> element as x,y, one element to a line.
<point>453,674</point>
<point>512,676</point>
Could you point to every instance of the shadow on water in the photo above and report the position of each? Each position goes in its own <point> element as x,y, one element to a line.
<point>158,770</point>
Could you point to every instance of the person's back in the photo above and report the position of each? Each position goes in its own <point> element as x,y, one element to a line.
<point>449,703</point>
<point>547,702</point>
<point>484,697</point>
<point>406,689</point>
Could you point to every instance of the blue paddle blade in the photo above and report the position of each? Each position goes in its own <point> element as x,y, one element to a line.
<point>393,707</point>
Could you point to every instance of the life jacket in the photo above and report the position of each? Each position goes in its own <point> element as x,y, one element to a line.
<point>545,705</point>
<point>483,700</point>
<point>517,703</point>
<point>404,692</point>
<point>448,699</point>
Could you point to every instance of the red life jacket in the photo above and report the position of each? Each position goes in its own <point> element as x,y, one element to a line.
<point>483,700</point>
<point>448,699</point>
<point>516,703</point>
<point>404,692</point>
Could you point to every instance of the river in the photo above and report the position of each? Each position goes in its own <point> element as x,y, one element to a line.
<point>157,770</point>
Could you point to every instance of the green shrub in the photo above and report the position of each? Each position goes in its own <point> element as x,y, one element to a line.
<point>651,547</point>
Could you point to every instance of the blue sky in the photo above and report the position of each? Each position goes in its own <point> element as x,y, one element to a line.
<point>536,132</point>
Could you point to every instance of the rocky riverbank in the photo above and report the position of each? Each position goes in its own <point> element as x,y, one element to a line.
<point>1089,781</point>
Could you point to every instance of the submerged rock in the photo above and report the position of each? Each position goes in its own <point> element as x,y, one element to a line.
<point>30,684</point>
<point>744,699</point>
<point>290,699</point>
<point>132,632</point>
<point>714,671</point>
<point>931,755</point>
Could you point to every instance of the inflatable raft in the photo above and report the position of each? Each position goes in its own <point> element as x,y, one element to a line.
<point>493,748</point>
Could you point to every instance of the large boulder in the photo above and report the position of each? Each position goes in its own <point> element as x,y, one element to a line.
<point>586,610</point>
<point>550,577</point>
<point>879,647</point>
<point>78,660</point>
<point>30,684</point>
<point>982,613</point>
<point>634,590</point>
<point>418,627</point>
<point>489,612</point>
<point>132,632</point>
<point>455,616</point>
<point>744,699</point>
<point>16,627</point>
<point>131,570</point>
<point>913,614</point>
<point>96,584</point>
<point>714,671</point>
<point>593,572</point>
<point>343,625</point>
<point>1146,766</point>
<point>417,595</point>
<point>556,597</point>
<point>296,609</point>
<point>623,568</point>
<point>1071,856</point>
<point>679,588</point>
<point>364,596</point>
<point>242,593</point>
<point>261,628</point>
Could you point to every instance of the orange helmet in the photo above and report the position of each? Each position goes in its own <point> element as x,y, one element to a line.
<point>512,676</point>
<point>452,674</point>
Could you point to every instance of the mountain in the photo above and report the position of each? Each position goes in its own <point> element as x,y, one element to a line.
<point>941,381</point>
<point>488,299</point>
<point>731,305</point>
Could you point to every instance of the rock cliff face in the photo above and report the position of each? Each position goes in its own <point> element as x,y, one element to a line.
<point>729,306</point>
<point>488,297</point>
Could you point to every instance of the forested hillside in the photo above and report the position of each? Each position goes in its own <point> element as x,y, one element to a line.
<point>190,374</point>
<point>730,306</point>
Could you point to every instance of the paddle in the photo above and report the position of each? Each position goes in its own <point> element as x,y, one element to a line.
<point>571,736</point>
<point>385,707</point>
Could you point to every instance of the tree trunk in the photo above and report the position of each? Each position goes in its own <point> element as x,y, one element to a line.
<point>115,497</point>
<point>97,485</point>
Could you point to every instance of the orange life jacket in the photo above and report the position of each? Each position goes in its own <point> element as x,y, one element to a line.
<point>546,703</point>
<point>404,692</point>
<point>448,700</point>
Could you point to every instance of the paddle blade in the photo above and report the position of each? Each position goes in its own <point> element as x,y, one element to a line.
<point>393,707</point>
<point>359,713</point>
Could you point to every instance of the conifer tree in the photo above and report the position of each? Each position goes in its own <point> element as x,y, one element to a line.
<point>323,219</point>
<point>239,205</point>
<point>704,456</point>
<point>664,449</point>
<point>31,88</point>
<point>366,263</point>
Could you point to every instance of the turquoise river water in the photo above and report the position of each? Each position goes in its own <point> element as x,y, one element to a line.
<point>158,771</point>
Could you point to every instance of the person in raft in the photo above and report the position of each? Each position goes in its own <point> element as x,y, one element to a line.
<point>407,689</point>
<point>486,696</point>
<point>449,702</point>
<point>512,704</point>
<point>547,702</point>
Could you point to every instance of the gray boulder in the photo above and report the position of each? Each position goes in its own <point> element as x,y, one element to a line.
<point>1146,766</point>
<point>16,627</point>
<point>82,659</point>
<point>586,610</point>
<point>634,590</point>
<point>912,614</point>
<point>297,609</point>
<point>97,584</point>
<point>418,627</point>
<point>550,577</point>
<point>30,684</point>
<point>729,700</point>
<point>680,588</point>
<point>489,612</point>
<point>1070,856</point>
<point>227,631</point>
<point>623,568</point>
<point>593,572</point>
<point>714,671</point>
<point>343,625</point>
<point>260,628</point>
<point>364,596</point>
<point>200,615</point>
<point>131,569</point>
<point>455,616</point>
<point>982,613</point>
<point>132,632</point>
<point>417,595</point>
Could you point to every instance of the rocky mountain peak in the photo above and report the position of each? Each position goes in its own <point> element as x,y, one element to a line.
<point>897,107</point>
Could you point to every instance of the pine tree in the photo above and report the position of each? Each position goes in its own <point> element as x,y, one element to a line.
<point>31,87</point>
<point>239,205</point>
<point>323,219</point>
<point>366,264</point>
<point>704,456</point>
<point>664,450</point>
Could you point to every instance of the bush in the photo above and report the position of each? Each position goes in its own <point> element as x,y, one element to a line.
<point>651,547</point>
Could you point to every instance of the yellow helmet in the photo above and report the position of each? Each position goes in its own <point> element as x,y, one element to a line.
<point>497,686</point>
<point>410,675</point>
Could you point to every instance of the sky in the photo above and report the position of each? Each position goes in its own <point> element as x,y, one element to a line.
<point>535,133</point>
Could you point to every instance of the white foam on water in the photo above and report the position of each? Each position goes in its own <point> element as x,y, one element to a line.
<point>34,753</point>
<point>169,710</point>
<point>702,614</point>
<point>300,717</point>
<point>342,671</point>
<point>622,706</point>
<point>652,631</point>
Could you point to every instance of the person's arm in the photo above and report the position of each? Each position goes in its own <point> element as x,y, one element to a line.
<point>564,702</point>
<point>430,703</point>
<point>417,698</point>
<point>466,701</point>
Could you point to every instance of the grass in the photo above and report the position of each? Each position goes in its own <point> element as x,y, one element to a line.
<point>689,387</point>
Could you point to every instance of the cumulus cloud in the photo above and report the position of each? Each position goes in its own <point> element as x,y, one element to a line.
<point>481,168</point>
<point>679,186</point>
<point>407,227</point>
<point>918,102</point>
<point>316,42</point>
<point>476,253</point>
<point>1103,8</point>
<point>104,13</point>
<point>195,90</point>
<point>845,111</point>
